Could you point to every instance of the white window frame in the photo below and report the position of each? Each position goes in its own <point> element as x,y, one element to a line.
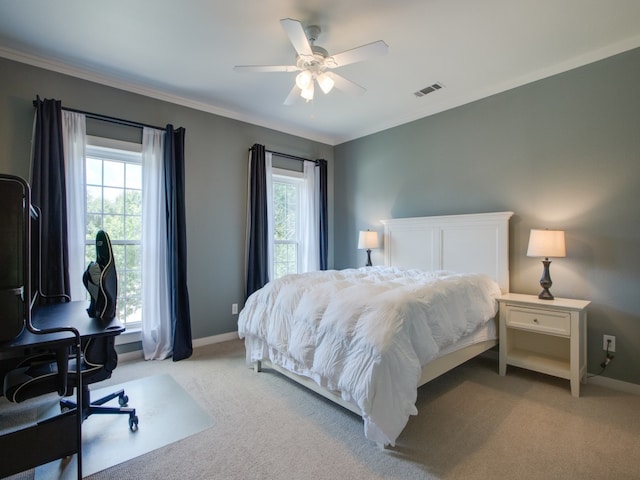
<point>114,150</point>
<point>291,177</point>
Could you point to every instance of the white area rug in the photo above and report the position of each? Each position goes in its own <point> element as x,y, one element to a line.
<point>166,413</point>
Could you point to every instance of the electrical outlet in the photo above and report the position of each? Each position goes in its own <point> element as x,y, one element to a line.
<point>234,309</point>
<point>612,345</point>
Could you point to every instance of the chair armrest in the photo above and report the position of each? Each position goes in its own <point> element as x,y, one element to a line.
<point>62,354</point>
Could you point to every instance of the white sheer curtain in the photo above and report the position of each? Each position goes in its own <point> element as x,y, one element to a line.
<point>268,167</point>
<point>74,144</point>
<point>309,216</point>
<point>157,341</point>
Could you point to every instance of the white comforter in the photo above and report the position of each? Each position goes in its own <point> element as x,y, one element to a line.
<point>365,333</point>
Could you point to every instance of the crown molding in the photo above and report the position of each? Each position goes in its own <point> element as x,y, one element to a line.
<point>460,100</point>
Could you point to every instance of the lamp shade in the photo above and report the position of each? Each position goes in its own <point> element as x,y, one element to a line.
<point>368,239</point>
<point>304,79</point>
<point>307,93</point>
<point>326,82</point>
<point>546,243</point>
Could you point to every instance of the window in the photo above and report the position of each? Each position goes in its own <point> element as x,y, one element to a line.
<point>113,184</point>
<point>286,187</point>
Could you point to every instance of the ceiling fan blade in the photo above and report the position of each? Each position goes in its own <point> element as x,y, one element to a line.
<point>297,36</point>
<point>347,86</point>
<point>294,94</point>
<point>357,54</point>
<point>265,68</point>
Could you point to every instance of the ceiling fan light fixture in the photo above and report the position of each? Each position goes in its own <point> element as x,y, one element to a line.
<point>304,79</point>
<point>307,93</point>
<point>326,82</point>
<point>312,61</point>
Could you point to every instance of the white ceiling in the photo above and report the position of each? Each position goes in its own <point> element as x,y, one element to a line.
<point>184,52</point>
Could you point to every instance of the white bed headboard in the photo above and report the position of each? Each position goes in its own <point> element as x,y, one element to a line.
<point>474,243</point>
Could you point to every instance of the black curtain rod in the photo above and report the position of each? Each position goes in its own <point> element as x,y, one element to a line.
<point>106,118</point>
<point>292,157</point>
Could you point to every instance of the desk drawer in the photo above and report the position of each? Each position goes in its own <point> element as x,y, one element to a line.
<point>539,320</point>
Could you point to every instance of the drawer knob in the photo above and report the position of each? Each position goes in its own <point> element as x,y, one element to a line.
<point>535,320</point>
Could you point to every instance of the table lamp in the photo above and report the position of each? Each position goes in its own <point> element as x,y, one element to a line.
<point>546,243</point>
<point>368,240</point>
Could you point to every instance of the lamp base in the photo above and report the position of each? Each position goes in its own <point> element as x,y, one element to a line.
<point>545,294</point>
<point>545,281</point>
<point>369,264</point>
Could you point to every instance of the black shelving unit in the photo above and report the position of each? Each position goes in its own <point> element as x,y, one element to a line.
<point>61,435</point>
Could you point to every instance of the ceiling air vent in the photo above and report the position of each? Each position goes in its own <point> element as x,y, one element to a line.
<point>429,89</point>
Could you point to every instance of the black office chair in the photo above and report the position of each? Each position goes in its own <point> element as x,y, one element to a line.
<point>98,355</point>
<point>99,359</point>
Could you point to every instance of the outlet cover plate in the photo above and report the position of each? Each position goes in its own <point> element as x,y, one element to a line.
<point>612,345</point>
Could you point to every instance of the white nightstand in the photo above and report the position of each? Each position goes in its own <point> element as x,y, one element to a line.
<point>548,336</point>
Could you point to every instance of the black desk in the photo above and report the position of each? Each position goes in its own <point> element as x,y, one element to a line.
<point>71,314</point>
<point>65,428</point>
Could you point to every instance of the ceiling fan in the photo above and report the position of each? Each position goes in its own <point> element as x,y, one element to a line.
<point>314,62</point>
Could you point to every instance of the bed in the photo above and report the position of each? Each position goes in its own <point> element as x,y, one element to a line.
<point>367,338</point>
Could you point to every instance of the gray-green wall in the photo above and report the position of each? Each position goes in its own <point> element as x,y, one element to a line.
<point>563,152</point>
<point>216,174</point>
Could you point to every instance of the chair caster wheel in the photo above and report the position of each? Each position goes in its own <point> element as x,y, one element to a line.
<point>133,424</point>
<point>123,400</point>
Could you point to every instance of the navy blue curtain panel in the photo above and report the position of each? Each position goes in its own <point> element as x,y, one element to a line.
<point>48,192</point>
<point>257,258</point>
<point>177,243</point>
<point>323,215</point>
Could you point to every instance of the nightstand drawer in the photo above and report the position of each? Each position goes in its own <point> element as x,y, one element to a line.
<point>554,322</point>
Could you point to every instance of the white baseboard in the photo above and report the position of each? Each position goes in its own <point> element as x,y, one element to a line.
<point>223,337</point>
<point>614,384</point>
<point>129,356</point>
<point>197,343</point>
<point>598,380</point>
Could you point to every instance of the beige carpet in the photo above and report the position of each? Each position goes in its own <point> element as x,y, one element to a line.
<point>472,424</point>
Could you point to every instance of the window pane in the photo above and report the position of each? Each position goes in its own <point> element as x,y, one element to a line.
<point>134,176</point>
<point>114,174</point>
<point>94,199</point>
<point>291,220</point>
<point>285,204</point>
<point>113,200</point>
<point>134,309</point>
<point>133,284</point>
<point>94,223</point>
<point>118,255</point>
<point>134,228</point>
<point>133,202</point>
<point>94,171</point>
<point>286,259</point>
<point>120,307</point>
<point>114,226</point>
<point>132,293</point>
<point>134,256</point>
